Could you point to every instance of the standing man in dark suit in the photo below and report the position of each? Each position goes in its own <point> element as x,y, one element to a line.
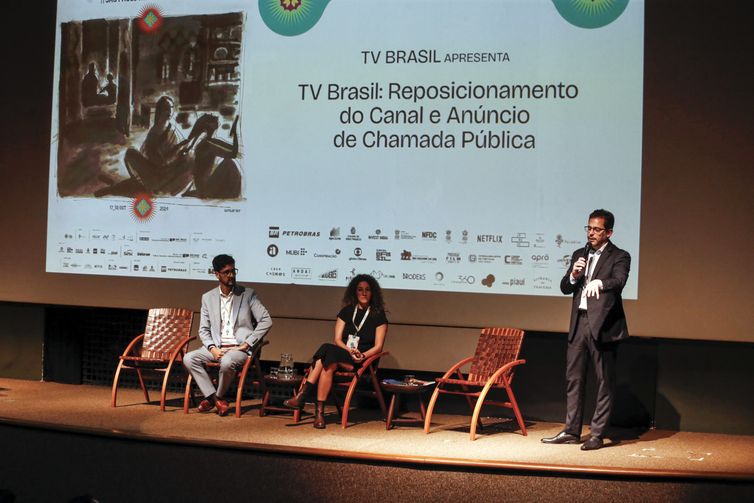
<point>233,322</point>
<point>596,280</point>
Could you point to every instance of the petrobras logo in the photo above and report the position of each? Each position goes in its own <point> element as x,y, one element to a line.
<point>300,234</point>
<point>274,232</point>
<point>415,276</point>
<point>513,260</point>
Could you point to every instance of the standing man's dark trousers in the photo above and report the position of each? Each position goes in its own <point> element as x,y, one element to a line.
<point>582,348</point>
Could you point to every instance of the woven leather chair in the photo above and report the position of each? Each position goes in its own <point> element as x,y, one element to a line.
<point>492,367</point>
<point>258,380</point>
<point>349,382</point>
<point>159,348</point>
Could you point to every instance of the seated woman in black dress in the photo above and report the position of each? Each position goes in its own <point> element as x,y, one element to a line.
<point>360,330</point>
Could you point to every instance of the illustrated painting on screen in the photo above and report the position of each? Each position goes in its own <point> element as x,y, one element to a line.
<point>151,111</point>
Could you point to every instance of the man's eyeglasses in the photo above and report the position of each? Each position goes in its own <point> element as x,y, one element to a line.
<point>596,230</point>
<point>228,272</point>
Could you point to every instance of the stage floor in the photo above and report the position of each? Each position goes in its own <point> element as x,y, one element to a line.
<point>500,445</point>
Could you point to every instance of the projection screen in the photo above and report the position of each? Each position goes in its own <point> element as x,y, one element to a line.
<point>450,146</point>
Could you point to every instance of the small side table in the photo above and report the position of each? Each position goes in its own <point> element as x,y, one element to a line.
<point>292,384</point>
<point>399,388</point>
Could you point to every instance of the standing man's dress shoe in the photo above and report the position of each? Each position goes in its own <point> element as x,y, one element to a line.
<point>205,406</point>
<point>592,444</point>
<point>562,438</point>
<point>222,406</point>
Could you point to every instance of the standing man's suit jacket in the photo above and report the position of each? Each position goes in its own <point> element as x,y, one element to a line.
<point>250,318</point>
<point>606,317</point>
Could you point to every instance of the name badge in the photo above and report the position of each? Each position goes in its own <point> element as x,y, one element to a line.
<point>353,341</point>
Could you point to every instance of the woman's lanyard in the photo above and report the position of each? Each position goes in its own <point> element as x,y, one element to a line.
<point>353,319</point>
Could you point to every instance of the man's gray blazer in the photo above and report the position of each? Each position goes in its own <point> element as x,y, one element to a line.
<point>250,318</point>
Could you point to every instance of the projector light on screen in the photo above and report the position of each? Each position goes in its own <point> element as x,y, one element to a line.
<point>437,145</point>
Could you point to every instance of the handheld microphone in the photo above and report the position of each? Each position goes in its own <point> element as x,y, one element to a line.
<point>587,249</point>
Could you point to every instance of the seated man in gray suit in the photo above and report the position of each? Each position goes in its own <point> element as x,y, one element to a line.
<point>233,322</point>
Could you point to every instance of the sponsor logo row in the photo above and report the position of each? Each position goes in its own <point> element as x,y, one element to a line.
<point>517,239</point>
<point>537,260</point>
<point>437,278</point>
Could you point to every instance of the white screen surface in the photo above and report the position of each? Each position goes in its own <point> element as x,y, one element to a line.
<point>511,123</point>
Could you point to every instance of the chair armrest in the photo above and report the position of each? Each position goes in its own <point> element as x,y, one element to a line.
<point>368,362</point>
<point>180,346</point>
<point>457,366</point>
<point>257,348</point>
<point>132,345</point>
<point>505,368</point>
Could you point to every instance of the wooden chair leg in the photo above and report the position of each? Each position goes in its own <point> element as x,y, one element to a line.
<point>378,392</point>
<point>347,403</point>
<point>143,387</point>
<point>260,376</point>
<point>265,401</point>
<point>516,410</point>
<point>430,408</point>
<point>390,412</point>
<point>187,394</point>
<point>478,410</point>
<point>241,382</point>
<point>337,405</point>
<point>165,386</point>
<point>114,396</point>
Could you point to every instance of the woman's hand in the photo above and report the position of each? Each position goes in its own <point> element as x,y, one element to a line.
<point>357,355</point>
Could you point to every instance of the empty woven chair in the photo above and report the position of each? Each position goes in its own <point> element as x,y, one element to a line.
<point>492,367</point>
<point>162,345</point>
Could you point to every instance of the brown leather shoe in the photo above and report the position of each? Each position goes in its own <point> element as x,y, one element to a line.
<point>222,406</point>
<point>205,406</point>
<point>319,416</point>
